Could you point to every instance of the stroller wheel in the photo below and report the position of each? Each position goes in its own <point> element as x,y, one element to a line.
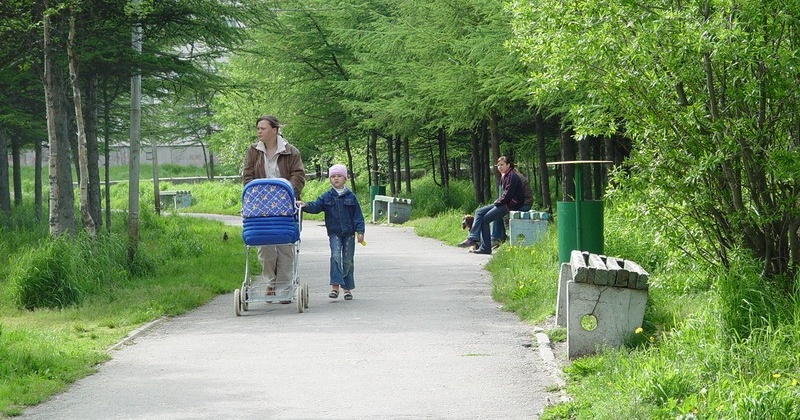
<point>300,301</point>
<point>237,302</point>
<point>305,295</point>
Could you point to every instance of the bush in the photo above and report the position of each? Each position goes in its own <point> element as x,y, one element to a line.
<point>45,276</point>
<point>62,271</point>
<point>430,200</point>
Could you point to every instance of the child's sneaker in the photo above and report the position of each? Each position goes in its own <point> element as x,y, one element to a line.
<point>348,295</point>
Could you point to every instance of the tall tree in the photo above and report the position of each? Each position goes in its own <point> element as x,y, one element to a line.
<point>62,219</point>
<point>89,224</point>
<point>5,197</point>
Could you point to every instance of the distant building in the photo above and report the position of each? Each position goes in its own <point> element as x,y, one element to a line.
<point>119,155</point>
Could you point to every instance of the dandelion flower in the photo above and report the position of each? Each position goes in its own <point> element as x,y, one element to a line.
<point>776,375</point>
<point>639,330</point>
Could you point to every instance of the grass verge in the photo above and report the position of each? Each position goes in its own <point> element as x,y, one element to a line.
<point>43,350</point>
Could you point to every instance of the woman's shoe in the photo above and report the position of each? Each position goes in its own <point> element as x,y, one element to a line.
<point>348,295</point>
<point>333,294</point>
<point>467,243</point>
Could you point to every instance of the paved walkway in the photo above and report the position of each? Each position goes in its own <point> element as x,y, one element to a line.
<point>421,340</point>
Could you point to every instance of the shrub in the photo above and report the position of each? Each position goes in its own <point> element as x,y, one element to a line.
<point>61,271</point>
<point>44,276</point>
<point>430,200</point>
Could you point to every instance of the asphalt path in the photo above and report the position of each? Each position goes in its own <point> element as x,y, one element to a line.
<point>422,339</point>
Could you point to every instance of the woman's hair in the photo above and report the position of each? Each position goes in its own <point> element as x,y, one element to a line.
<point>507,160</point>
<point>271,119</point>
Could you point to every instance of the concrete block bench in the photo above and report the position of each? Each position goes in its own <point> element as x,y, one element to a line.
<point>395,210</point>
<point>526,227</point>
<point>606,293</point>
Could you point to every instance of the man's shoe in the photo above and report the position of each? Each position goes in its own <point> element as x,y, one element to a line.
<point>495,244</point>
<point>467,243</point>
<point>478,251</point>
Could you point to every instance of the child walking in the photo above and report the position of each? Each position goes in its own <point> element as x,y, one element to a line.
<point>343,221</point>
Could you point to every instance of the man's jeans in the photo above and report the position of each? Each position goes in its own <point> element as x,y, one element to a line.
<point>499,227</point>
<point>480,227</point>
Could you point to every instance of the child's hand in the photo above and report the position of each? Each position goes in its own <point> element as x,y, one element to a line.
<point>299,203</point>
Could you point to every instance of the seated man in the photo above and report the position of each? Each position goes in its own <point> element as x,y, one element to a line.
<point>499,228</point>
<point>511,198</point>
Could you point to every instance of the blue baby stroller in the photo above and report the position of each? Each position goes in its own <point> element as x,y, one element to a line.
<point>270,217</point>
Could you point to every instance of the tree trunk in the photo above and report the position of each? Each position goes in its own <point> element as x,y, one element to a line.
<point>107,155</point>
<point>83,163</point>
<point>541,152</point>
<point>390,164</point>
<point>37,181</point>
<point>407,158</point>
<point>212,171</point>
<point>350,163</point>
<point>398,178</point>
<point>494,137</point>
<point>474,163</point>
<point>567,171</point>
<point>599,169</point>
<point>584,150</point>
<point>17,168</point>
<point>92,150</point>
<point>5,193</point>
<point>62,216</point>
<point>486,174</point>
<point>374,173</point>
<point>443,167</point>
<point>134,159</point>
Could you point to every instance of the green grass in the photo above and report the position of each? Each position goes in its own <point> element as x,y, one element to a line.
<point>182,264</point>
<point>713,345</point>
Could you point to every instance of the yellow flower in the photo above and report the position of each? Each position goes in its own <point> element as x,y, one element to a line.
<point>776,375</point>
<point>794,382</point>
<point>639,330</point>
<point>652,339</point>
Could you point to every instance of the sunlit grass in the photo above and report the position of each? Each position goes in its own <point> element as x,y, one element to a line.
<point>711,346</point>
<point>43,350</point>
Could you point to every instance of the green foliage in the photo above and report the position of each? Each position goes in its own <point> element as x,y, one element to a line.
<point>34,365</point>
<point>97,296</point>
<point>445,227</point>
<point>702,92</point>
<point>524,278</point>
<point>689,359</point>
<point>47,276</point>
<point>749,302</point>
<point>218,197</point>
<point>430,200</point>
<point>712,346</point>
<point>62,271</point>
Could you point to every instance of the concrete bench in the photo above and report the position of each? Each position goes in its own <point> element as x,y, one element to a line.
<point>526,227</point>
<point>607,293</point>
<point>395,210</point>
<point>179,199</point>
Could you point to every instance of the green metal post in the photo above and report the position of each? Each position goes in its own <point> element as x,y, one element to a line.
<point>578,198</point>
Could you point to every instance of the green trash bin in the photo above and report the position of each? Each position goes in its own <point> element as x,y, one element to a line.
<point>591,228</point>
<point>376,190</point>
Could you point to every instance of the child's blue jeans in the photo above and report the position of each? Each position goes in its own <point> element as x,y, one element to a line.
<point>342,251</point>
